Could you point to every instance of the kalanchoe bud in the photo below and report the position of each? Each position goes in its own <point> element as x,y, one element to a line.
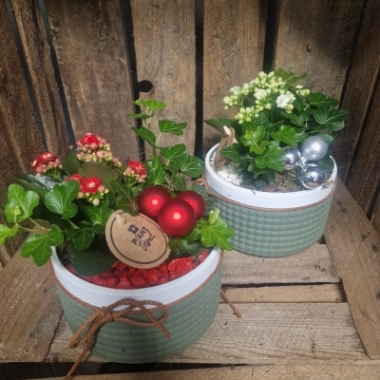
<point>45,162</point>
<point>136,170</point>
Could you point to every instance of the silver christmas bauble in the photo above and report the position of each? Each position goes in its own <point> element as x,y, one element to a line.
<point>312,176</point>
<point>292,158</point>
<point>314,148</point>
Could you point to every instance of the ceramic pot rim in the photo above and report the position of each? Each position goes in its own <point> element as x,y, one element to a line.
<point>168,293</point>
<point>263,199</point>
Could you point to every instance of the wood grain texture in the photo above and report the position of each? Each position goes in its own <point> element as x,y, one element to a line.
<point>360,85</point>
<point>322,371</point>
<point>233,39</point>
<point>364,179</point>
<point>317,37</point>
<point>354,246</point>
<point>37,54</point>
<point>267,333</point>
<point>30,311</point>
<point>20,140</point>
<point>89,40</point>
<point>312,266</point>
<point>164,35</point>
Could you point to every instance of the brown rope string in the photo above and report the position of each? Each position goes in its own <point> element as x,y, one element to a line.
<point>107,315</point>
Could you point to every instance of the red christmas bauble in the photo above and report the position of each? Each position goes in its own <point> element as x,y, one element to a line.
<point>152,199</point>
<point>195,200</point>
<point>177,218</point>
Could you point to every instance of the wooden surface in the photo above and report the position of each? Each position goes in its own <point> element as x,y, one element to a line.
<point>233,51</point>
<point>89,40</point>
<point>164,36</point>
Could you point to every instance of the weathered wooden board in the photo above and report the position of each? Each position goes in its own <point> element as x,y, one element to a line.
<point>37,55</point>
<point>164,35</point>
<point>312,266</point>
<point>89,40</point>
<point>354,246</point>
<point>29,311</point>
<point>317,37</point>
<point>360,84</point>
<point>286,332</point>
<point>264,372</point>
<point>233,53</point>
<point>20,140</point>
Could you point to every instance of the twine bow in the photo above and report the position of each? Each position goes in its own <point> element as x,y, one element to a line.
<point>108,314</point>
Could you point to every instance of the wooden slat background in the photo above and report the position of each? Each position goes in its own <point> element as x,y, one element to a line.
<point>102,54</point>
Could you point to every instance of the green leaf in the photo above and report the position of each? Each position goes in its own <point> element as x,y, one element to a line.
<point>141,116</point>
<point>174,151</point>
<point>100,170</point>
<point>97,214</point>
<point>33,183</point>
<point>325,117</point>
<point>168,126</point>
<point>189,165</point>
<point>59,199</point>
<point>217,233</point>
<point>83,238</point>
<point>297,120</point>
<point>335,126</point>
<point>152,104</point>
<point>179,182</point>
<point>328,138</point>
<point>233,152</point>
<point>6,232</point>
<point>95,260</point>
<point>272,158</point>
<point>71,163</point>
<point>262,120</point>
<point>253,138</point>
<point>320,100</point>
<point>20,203</point>
<point>147,135</point>
<point>156,172</point>
<point>286,134</point>
<point>126,200</point>
<point>39,246</point>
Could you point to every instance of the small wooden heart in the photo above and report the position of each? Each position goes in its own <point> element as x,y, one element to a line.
<point>136,240</point>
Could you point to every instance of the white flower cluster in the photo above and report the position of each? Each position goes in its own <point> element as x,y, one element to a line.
<point>258,95</point>
<point>228,172</point>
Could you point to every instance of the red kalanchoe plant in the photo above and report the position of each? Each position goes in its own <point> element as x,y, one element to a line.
<point>69,204</point>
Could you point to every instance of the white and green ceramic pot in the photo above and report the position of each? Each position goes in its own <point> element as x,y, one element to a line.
<point>271,224</point>
<point>189,302</point>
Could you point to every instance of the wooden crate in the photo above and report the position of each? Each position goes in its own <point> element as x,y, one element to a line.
<point>311,315</point>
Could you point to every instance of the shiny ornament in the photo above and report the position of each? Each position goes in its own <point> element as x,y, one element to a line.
<point>195,200</point>
<point>152,199</point>
<point>292,158</point>
<point>314,148</point>
<point>312,176</point>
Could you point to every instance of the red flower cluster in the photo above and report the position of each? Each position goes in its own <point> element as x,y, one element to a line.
<point>123,276</point>
<point>136,170</point>
<point>92,142</point>
<point>44,162</point>
<point>90,188</point>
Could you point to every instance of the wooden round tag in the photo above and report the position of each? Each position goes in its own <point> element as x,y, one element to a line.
<point>136,240</point>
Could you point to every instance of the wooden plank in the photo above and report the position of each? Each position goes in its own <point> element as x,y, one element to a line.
<point>37,55</point>
<point>317,37</point>
<point>30,311</point>
<point>233,46</point>
<point>279,294</point>
<point>364,179</point>
<point>354,246</point>
<point>20,140</point>
<point>360,85</point>
<point>312,266</point>
<point>89,41</point>
<point>164,34</point>
<point>281,332</point>
<point>321,371</point>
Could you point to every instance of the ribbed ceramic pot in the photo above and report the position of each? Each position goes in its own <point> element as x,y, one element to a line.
<point>271,224</point>
<point>191,301</point>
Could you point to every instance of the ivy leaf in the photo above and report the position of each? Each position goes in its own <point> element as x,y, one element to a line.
<point>272,158</point>
<point>286,134</point>
<point>189,165</point>
<point>335,126</point>
<point>217,233</point>
<point>168,126</point>
<point>92,261</point>
<point>59,199</point>
<point>39,246</point>
<point>83,238</point>
<point>174,151</point>
<point>179,182</point>
<point>156,172</point>
<point>147,135</point>
<point>126,200</point>
<point>6,232</point>
<point>141,116</point>
<point>320,100</point>
<point>152,104</point>
<point>328,138</point>
<point>325,117</point>
<point>20,203</point>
